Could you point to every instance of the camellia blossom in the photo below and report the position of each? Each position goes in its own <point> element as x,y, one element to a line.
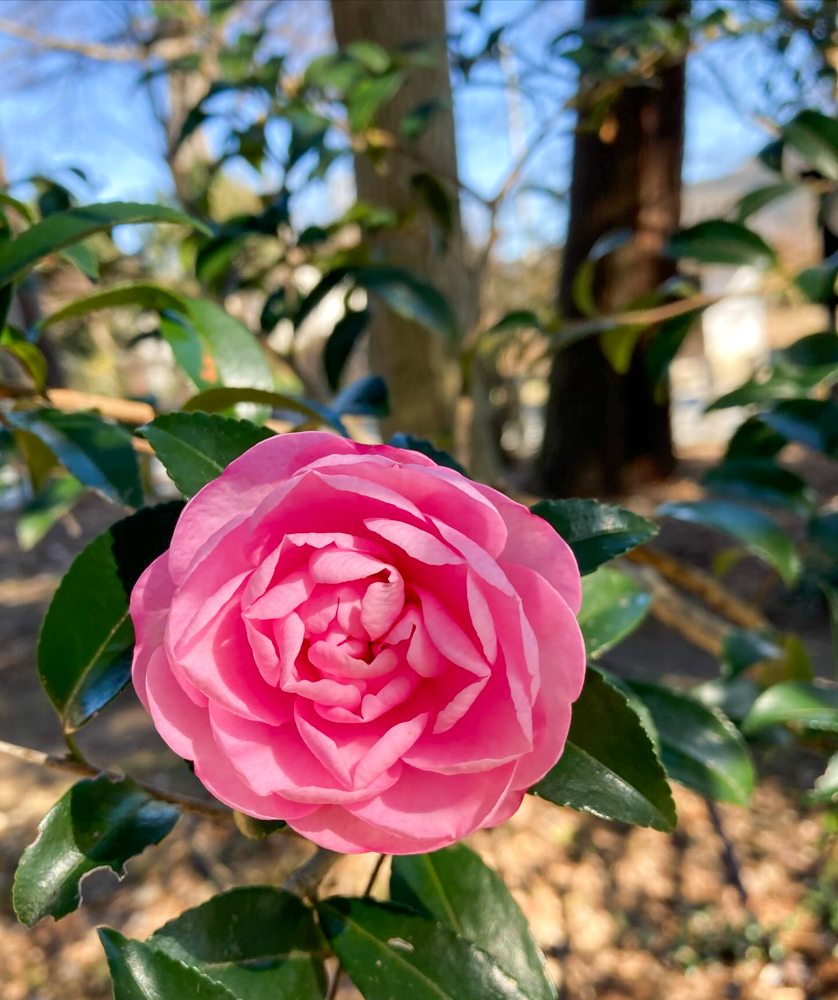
<point>361,642</point>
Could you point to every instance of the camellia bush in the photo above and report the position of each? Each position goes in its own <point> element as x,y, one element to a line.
<point>361,646</point>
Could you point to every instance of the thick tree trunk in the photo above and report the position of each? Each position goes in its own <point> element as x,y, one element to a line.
<point>418,367</point>
<point>606,433</point>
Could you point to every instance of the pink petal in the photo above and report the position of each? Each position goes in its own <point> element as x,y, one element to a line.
<point>449,638</point>
<point>481,618</point>
<point>418,544</point>
<point>284,597</point>
<point>382,604</point>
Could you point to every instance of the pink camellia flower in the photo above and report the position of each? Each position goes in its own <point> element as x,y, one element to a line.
<point>360,642</point>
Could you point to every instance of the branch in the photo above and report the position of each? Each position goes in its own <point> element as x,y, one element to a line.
<point>129,411</point>
<point>704,586</point>
<point>83,770</point>
<point>171,48</point>
<point>304,881</point>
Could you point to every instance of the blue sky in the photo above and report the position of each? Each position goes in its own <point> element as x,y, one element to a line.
<point>97,118</point>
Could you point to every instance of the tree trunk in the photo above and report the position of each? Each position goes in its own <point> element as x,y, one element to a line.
<point>419,368</point>
<point>606,433</point>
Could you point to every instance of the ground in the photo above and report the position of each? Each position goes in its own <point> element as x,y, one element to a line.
<point>622,914</point>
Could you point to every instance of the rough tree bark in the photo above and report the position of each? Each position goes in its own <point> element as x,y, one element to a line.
<point>418,367</point>
<point>606,433</point>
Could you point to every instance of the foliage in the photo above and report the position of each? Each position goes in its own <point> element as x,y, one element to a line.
<point>450,928</point>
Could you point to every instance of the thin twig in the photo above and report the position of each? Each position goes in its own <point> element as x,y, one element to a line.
<point>732,872</point>
<point>83,770</point>
<point>374,875</point>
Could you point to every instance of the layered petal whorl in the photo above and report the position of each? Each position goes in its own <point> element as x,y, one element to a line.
<point>360,642</point>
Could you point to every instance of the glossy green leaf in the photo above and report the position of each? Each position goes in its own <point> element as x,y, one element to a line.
<point>342,340</point>
<point>99,454</point>
<point>817,352</point>
<point>367,396</point>
<point>815,137</point>
<point>390,951</point>
<point>817,283</point>
<point>141,973</point>
<point>412,443</point>
<point>751,528</point>
<point>438,203</point>
<point>518,319</point>
<point>613,606</point>
<point>700,748</point>
<point>260,942</point>
<point>583,280</point>
<point>57,497</point>
<point>238,358</point>
<point>742,648</point>
<point>760,481</point>
<point>596,772</point>
<point>368,95</point>
<point>800,703</point>
<point>410,297</point>
<point>191,353</point>
<point>196,448</point>
<point>97,823</point>
<point>760,197</point>
<point>62,229</point>
<point>811,422</point>
<point>777,386</point>
<point>215,400</point>
<point>22,209</point>
<point>139,293</point>
<point>597,532</point>
<point>82,669</point>
<point>456,887</point>
<point>718,241</point>
<point>755,439</point>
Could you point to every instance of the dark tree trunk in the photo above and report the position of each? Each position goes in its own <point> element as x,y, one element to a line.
<point>606,433</point>
<point>419,369</point>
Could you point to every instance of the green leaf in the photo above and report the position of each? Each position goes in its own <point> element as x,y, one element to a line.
<point>410,298</point>
<point>800,703</point>
<point>190,352</point>
<point>811,422</point>
<point>815,137</point>
<point>412,443</point>
<point>85,259</point>
<point>666,343</point>
<point>368,95</point>
<point>99,454</point>
<point>65,228</point>
<point>609,766</point>
<point>760,197</point>
<point>755,439</point>
<point>818,283</point>
<point>141,973</point>
<point>138,293</point>
<point>367,396</point>
<point>98,823</point>
<point>597,532</point>
<point>390,951</point>
<point>196,448</point>
<point>751,528</point>
<point>46,508</point>
<point>22,209</point>
<point>82,669</point>
<point>27,354</point>
<point>761,481</point>
<point>718,241</point>
<point>370,55</point>
<point>239,360</point>
<point>826,786</point>
<point>612,607</point>
<point>700,748</point>
<point>457,888</point>
<point>339,346</point>
<point>260,942</point>
<point>214,400</point>
<point>583,280</point>
<point>518,319</point>
<point>817,353</point>
<point>438,203</point>
<point>742,648</point>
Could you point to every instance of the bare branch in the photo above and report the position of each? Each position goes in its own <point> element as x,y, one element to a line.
<point>304,881</point>
<point>83,770</point>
